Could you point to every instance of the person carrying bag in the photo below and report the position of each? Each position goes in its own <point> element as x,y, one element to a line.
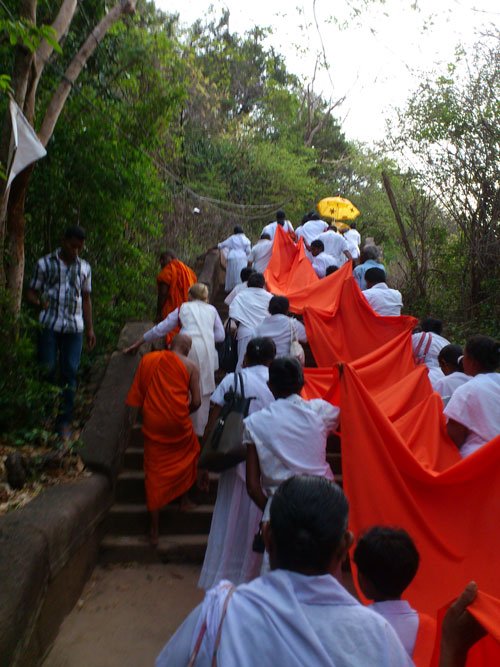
<point>223,448</point>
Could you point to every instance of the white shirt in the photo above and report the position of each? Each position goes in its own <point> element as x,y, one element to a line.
<point>311,230</point>
<point>255,380</point>
<point>335,245</point>
<point>321,262</point>
<point>286,618</point>
<point>279,433</point>
<point>277,327</point>
<point>353,238</point>
<point>173,320</point>
<point>437,343</point>
<point>476,405</point>
<point>261,254</point>
<point>384,300</point>
<point>239,245</point>
<point>250,306</point>
<point>271,228</point>
<point>447,385</point>
<point>403,619</point>
<point>236,290</point>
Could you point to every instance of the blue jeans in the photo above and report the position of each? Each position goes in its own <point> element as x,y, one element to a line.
<point>69,347</point>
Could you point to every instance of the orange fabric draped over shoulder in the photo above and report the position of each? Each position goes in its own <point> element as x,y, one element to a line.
<point>171,448</point>
<point>179,279</point>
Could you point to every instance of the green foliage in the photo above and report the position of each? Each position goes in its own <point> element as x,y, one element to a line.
<point>25,400</point>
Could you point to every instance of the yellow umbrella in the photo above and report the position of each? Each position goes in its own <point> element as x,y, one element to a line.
<point>338,208</point>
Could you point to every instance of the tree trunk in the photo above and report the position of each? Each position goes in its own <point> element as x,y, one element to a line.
<point>13,257</point>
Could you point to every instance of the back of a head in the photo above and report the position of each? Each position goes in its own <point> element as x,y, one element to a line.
<point>260,351</point>
<point>280,216</point>
<point>485,350</point>
<point>306,218</point>
<point>318,245</point>
<point>75,232</point>
<point>265,236</point>
<point>450,354</point>
<point>198,292</point>
<point>286,376</point>
<point>432,324</point>
<point>315,216</point>
<point>256,280</point>
<point>167,255</point>
<point>308,521</point>
<point>238,229</point>
<point>331,269</point>
<point>388,558</point>
<point>370,252</point>
<point>375,276</point>
<point>332,228</point>
<point>245,273</point>
<point>279,305</point>
<point>353,225</point>
<point>181,343</point>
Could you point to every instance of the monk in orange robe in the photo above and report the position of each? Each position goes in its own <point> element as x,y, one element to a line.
<point>173,282</point>
<point>161,387</point>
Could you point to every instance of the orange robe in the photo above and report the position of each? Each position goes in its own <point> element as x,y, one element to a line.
<point>171,448</point>
<point>179,279</point>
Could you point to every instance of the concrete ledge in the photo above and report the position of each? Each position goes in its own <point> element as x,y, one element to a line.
<point>211,272</point>
<point>104,435</point>
<point>37,544</point>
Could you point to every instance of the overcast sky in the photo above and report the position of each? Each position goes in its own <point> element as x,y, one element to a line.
<point>375,61</point>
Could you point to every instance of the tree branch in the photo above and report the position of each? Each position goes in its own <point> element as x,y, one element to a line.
<point>77,64</point>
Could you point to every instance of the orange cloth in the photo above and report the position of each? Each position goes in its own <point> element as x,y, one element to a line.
<point>450,506</point>
<point>179,279</point>
<point>340,323</point>
<point>486,652</point>
<point>171,448</point>
<point>424,643</point>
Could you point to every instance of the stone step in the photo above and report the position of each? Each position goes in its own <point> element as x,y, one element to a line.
<point>133,458</point>
<point>136,548</point>
<point>133,519</point>
<point>130,488</point>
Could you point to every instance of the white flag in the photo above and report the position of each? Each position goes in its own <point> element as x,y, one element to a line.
<point>27,147</point>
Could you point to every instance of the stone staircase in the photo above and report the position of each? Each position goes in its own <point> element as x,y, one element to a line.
<point>183,535</point>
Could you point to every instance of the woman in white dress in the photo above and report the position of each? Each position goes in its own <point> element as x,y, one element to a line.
<point>278,326</point>
<point>237,258</point>
<point>450,361</point>
<point>236,518</point>
<point>473,412</point>
<point>201,321</point>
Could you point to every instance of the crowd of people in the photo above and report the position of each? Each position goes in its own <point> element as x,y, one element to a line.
<point>287,601</point>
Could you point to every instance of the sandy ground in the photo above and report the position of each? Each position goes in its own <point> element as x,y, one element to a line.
<point>125,615</point>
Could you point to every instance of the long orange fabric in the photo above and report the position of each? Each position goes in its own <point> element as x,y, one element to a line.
<point>171,448</point>
<point>179,279</point>
<point>451,513</point>
<point>486,652</point>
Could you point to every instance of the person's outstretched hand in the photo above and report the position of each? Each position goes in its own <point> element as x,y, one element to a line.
<point>460,629</point>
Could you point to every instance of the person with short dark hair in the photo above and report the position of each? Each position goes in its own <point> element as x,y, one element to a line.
<point>387,561</point>
<point>282,222</point>
<point>427,345</point>
<point>261,253</point>
<point>335,245</point>
<point>331,269</point>
<point>236,517</point>
<point>384,300</point>
<point>280,327</point>
<point>311,229</point>
<point>275,436</point>
<point>298,614</point>
<point>60,290</point>
<point>320,259</point>
<point>238,248</point>
<point>368,260</point>
<point>248,310</point>
<point>450,361</point>
<point>473,413</point>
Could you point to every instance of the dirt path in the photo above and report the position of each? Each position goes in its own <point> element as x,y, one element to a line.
<point>125,615</point>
